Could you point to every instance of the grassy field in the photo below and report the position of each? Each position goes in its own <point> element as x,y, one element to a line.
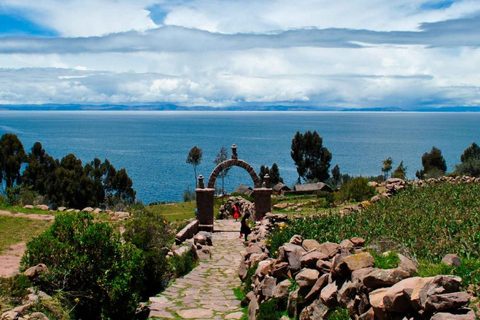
<point>14,230</point>
<point>17,209</point>
<point>179,210</point>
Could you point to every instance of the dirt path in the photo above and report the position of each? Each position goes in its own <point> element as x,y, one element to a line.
<point>207,291</point>
<point>10,260</point>
<point>44,217</point>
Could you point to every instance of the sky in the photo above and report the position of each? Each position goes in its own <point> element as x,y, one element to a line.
<point>321,53</point>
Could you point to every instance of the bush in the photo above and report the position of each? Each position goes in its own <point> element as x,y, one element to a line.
<point>90,265</point>
<point>151,233</point>
<point>356,189</point>
<point>188,195</point>
<point>272,309</point>
<point>181,265</point>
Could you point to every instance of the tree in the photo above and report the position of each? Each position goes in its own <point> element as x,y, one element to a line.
<point>433,165</point>
<point>263,171</point>
<point>195,158</point>
<point>310,157</point>
<point>221,157</point>
<point>39,169</point>
<point>470,161</point>
<point>275,175</point>
<point>387,166</point>
<point>400,172</point>
<point>12,155</point>
<point>336,175</point>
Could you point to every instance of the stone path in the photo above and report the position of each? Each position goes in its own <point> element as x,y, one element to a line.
<point>207,291</point>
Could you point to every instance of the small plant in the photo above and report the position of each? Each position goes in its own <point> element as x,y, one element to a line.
<point>272,309</point>
<point>339,314</point>
<point>356,189</point>
<point>188,195</point>
<point>386,261</point>
<point>181,265</point>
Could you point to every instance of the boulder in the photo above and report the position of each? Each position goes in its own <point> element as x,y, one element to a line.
<point>346,295</point>
<point>329,248</point>
<point>357,242</point>
<point>97,211</point>
<point>446,301</point>
<point>296,239</point>
<point>280,206</point>
<point>200,238</point>
<point>307,277</point>
<point>367,315</point>
<point>257,257</point>
<point>242,270</point>
<point>280,270</point>
<point>317,287</point>
<point>35,270</point>
<point>461,314</point>
<point>315,311</point>
<point>452,260</point>
<point>438,285</point>
<point>359,274</point>
<point>407,265</point>
<point>38,316</point>
<point>397,297</point>
<point>376,300</point>
<point>282,289</point>
<point>324,266</point>
<point>309,244</point>
<point>253,309</point>
<point>329,295</point>
<point>294,254</point>
<point>384,277</point>
<point>310,259</point>
<point>43,207</point>
<point>346,244</point>
<point>268,286</point>
<point>87,209</point>
<point>61,209</point>
<point>253,248</point>
<point>28,206</point>
<point>345,264</point>
<point>9,315</point>
<point>263,268</point>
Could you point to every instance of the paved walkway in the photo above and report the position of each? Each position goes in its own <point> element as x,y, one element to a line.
<point>207,291</point>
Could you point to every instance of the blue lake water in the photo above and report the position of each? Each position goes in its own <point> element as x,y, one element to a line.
<point>153,146</point>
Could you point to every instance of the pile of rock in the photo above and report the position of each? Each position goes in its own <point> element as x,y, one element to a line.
<point>331,275</point>
<point>226,210</point>
<point>453,180</point>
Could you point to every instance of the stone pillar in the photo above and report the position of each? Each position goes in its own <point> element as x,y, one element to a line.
<point>263,203</point>
<point>234,152</point>
<point>205,208</point>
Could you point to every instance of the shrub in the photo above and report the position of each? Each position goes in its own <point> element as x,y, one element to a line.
<point>272,309</point>
<point>151,233</point>
<point>188,195</point>
<point>90,265</point>
<point>339,314</point>
<point>181,265</point>
<point>356,189</point>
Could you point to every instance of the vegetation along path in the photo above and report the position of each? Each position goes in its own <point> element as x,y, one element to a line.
<point>207,291</point>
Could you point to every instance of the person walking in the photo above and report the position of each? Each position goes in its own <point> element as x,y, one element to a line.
<point>236,211</point>
<point>245,226</point>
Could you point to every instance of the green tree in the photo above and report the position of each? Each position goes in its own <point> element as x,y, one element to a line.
<point>336,175</point>
<point>434,165</point>
<point>221,157</point>
<point>39,170</point>
<point>12,156</point>
<point>264,170</point>
<point>387,166</point>
<point>195,158</point>
<point>275,175</point>
<point>400,171</point>
<point>470,161</point>
<point>310,156</point>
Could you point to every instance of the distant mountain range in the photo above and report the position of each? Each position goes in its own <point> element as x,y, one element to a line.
<point>173,107</point>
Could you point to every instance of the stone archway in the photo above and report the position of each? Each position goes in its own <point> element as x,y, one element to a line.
<point>205,196</point>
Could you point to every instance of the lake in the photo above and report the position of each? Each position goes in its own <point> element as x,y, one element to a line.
<point>153,145</point>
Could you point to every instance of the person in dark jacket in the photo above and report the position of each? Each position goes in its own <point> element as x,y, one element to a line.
<point>245,226</point>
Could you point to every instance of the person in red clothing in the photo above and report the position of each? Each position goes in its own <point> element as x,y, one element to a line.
<point>236,211</point>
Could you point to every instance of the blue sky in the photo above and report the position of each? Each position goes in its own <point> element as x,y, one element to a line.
<point>343,53</point>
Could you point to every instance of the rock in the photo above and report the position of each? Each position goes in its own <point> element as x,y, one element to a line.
<point>307,277</point>
<point>368,315</point>
<point>28,206</point>
<point>346,295</point>
<point>43,207</point>
<point>61,209</point>
<point>376,300</point>
<point>200,238</point>
<point>317,287</point>
<point>329,248</point>
<point>87,209</point>
<point>346,264</point>
<point>253,248</point>
<point>268,286</point>
<point>315,311</point>
<point>372,184</point>
<point>310,259</point>
<point>252,309</point>
<point>438,285</point>
<point>22,310</point>
<point>357,242</point>
<point>97,211</point>
<point>414,296</point>
<point>36,270</point>
<point>196,313</point>
<point>461,314</point>
<point>446,301</point>
<point>280,270</point>
<point>122,214</point>
<point>384,277</point>
<point>9,315</point>
<point>359,274</point>
<point>294,302</point>
<point>324,266</point>
<point>296,239</point>
<point>397,297</point>
<point>38,316</point>
<point>257,257</point>
<point>452,260</point>
<point>280,206</point>
<point>375,199</point>
<point>309,244</point>
<point>263,268</point>
<point>407,265</point>
<point>293,254</point>
<point>346,244</point>
<point>282,289</point>
<point>329,295</point>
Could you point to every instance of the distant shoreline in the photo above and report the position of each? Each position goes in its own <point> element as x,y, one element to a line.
<point>77,107</point>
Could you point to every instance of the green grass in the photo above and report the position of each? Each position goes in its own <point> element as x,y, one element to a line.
<point>17,209</point>
<point>179,210</point>
<point>14,230</point>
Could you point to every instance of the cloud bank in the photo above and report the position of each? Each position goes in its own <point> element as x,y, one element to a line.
<point>344,54</point>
